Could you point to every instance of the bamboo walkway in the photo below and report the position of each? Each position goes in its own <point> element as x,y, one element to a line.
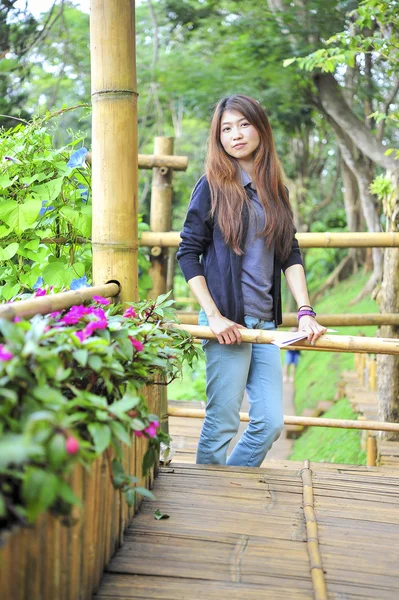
<point>237,533</point>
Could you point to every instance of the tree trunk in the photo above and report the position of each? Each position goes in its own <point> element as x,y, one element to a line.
<point>388,300</point>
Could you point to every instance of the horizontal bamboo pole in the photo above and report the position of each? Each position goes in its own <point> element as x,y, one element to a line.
<point>199,413</point>
<point>306,240</point>
<point>53,302</point>
<point>326,343</point>
<point>149,161</point>
<point>291,319</point>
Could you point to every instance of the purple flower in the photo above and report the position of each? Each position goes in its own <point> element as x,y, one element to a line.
<point>151,430</point>
<point>80,335</point>
<point>101,300</point>
<point>74,315</point>
<point>77,158</point>
<point>130,313</point>
<point>5,354</point>
<point>16,319</point>
<point>40,292</point>
<point>136,344</point>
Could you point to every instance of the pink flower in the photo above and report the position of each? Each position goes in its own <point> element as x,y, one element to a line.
<point>136,344</point>
<point>71,445</point>
<point>40,292</point>
<point>74,315</point>
<point>80,335</point>
<point>5,354</point>
<point>101,300</point>
<point>55,314</point>
<point>138,433</point>
<point>130,313</point>
<point>16,319</point>
<point>155,424</point>
<point>93,325</point>
<point>151,430</point>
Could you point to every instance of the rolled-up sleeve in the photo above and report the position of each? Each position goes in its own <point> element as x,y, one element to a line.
<point>295,257</point>
<point>197,231</point>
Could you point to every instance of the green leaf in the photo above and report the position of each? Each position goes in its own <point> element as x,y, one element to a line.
<point>145,492</point>
<point>118,473</point>
<point>120,432</point>
<point>67,493</point>
<point>101,435</point>
<point>158,515</point>
<point>95,363</point>
<point>130,496</point>
<point>58,274</point>
<point>56,452</point>
<point>3,509</point>
<point>81,357</point>
<point>50,190</point>
<point>148,460</point>
<point>39,490</point>
<point>20,216</point>
<point>122,406</point>
<point>8,252</point>
<point>288,61</point>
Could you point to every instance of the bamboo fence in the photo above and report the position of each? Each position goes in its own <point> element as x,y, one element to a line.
<point>306,240</point>
<point>326,343</point>
<point>328,320</point>
<point>164,161</point>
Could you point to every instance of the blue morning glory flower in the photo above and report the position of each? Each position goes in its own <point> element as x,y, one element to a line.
<point>44,208</point>
<point>38,283</point>
<point>77,284</point>
<point>77,158</point>
<point>84,192</point>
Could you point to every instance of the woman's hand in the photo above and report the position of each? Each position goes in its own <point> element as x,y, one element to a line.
<point>226,331</point>
<point>311,327</point>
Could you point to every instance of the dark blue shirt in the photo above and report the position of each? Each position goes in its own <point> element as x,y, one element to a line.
<point>203,251</point>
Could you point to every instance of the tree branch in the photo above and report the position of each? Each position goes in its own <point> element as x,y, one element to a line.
<point>385,110</point>
<point>334,105</point>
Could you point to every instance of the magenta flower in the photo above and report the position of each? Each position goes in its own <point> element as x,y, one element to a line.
<point>71,445</point>
<point>5,354</point>
<point>102,300</point>
<point>151,430</point>
<point>16,319</point>
<point>55,314</point>
<point>138,433</point>
<point>136,344</point>
<point>40,292</point>
<point>80,335</point>
<point>130,313</point>
<point>93,325</point>
<point>74,315</point>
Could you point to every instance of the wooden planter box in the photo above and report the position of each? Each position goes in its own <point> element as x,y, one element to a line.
<point>51,561</point>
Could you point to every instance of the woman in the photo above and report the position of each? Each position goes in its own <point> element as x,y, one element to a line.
<point>240,221</point>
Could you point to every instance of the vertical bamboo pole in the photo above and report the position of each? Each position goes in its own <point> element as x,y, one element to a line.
<point>160,218</point>
<point>373,374</point>
<point>114,163</point>
<point>371,451</point>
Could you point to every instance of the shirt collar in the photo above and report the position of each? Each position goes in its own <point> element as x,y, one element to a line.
<point>245,178</point>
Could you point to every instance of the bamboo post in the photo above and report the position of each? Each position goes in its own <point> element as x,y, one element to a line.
<point>373,374</point>
<point>371,450</point>
<point>160,217</point>
<point>114,99</point>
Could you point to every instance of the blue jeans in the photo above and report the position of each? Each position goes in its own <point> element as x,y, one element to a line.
<point>230,370</point>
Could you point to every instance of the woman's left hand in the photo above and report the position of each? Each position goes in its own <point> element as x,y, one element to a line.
<point>313,329</point>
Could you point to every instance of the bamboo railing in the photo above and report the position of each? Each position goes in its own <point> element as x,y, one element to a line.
<point>53,302</point>
<point>306,240</point>
<point>326,343</point>
<point>161,160</point>
<point>328,320</point>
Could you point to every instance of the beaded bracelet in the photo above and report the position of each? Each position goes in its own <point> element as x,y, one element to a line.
<point>305,306</point>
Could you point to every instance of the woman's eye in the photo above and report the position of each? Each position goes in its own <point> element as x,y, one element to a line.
<point>225,129</point>
<point>244,124</point>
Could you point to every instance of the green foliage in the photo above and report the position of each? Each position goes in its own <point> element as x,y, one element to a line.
<point>42,198</point>
<point>70,389</point>
<point>325,444</point>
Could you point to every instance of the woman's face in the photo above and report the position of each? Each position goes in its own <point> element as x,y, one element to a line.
<point>238,137</point>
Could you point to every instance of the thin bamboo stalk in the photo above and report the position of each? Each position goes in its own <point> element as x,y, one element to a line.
<point>115,170</point>
<point>149,161</point>
<point>371,451</point>
<point>330,343</point>
<point>198,413</point>
<point>306,240</point>
<point>291,319</point>
<point>54,302</point>
<point>160,219</point>
<point>312,541</point>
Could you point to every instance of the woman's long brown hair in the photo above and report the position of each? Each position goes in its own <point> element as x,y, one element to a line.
<point>227,192</point>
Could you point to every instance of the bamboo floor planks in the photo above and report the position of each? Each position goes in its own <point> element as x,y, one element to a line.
<point>240,533</point>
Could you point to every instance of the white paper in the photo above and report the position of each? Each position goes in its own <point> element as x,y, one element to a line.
<point>290,337</point>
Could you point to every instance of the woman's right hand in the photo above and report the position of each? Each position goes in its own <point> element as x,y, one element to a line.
<point>226,331</point>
